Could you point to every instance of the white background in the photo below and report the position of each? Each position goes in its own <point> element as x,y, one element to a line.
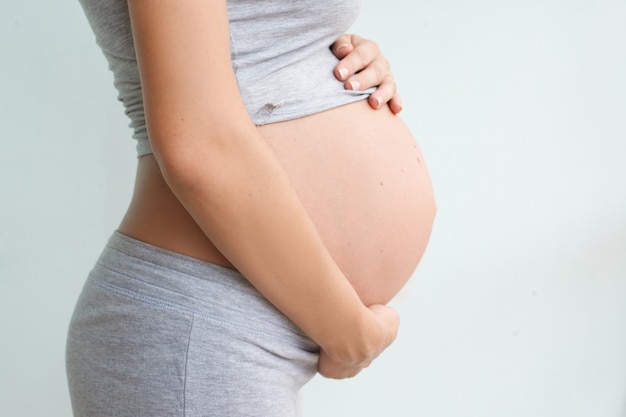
<point>519,306</point>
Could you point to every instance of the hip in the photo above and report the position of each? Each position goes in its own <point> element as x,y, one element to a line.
<point>158,333</point>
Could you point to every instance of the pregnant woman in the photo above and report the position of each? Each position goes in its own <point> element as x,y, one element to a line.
<point>275,212</point>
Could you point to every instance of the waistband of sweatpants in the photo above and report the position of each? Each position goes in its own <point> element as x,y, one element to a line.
<point>192,285</point>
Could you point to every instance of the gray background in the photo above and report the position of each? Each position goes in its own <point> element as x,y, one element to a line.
<point>519,306</point>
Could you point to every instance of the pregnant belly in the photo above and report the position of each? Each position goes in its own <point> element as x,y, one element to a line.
<point>360,176</point>
<point>363,181</point>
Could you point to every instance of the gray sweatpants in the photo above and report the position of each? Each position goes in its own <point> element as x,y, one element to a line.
<point>155,333</point>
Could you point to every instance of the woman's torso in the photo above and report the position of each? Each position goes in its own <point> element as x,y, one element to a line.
<point>361,178</point>
<point>357,171</point>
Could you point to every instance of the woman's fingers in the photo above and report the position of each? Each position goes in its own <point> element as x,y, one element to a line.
<point>395,103</point>
<point>362,66</point>
<point>342,46</point>
<point>355,54</point>
<point>385,322</point>
<point>389,320</point>
<point>386,93</point>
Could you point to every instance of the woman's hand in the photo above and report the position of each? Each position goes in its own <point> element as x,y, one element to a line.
<point>381,330</point>
<point>362,66</point>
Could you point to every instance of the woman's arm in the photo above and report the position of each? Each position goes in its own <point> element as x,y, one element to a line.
<point>229,180</point>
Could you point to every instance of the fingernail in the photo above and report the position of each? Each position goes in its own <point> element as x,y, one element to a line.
<point>355,85</point>
<point>378,100</point>
<point>341,46</point>
<point>399,104</point>
<point>343,73</point>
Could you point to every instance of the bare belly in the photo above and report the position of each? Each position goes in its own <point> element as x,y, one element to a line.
<point>361,178</point>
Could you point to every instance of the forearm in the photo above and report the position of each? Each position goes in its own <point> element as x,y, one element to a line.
<point>238,193</point>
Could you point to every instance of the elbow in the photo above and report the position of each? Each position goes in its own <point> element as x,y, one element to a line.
<point>190,157</point>
<point>176,163</point>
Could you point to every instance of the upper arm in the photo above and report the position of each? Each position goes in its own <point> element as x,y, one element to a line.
<point>189,88</point>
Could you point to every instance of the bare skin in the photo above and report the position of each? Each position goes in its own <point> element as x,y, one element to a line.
<point>326,215</point>
<point>363,66</point>
<point>361,179</point>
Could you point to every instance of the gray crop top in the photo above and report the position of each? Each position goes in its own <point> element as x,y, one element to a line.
<point>279,49</point>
